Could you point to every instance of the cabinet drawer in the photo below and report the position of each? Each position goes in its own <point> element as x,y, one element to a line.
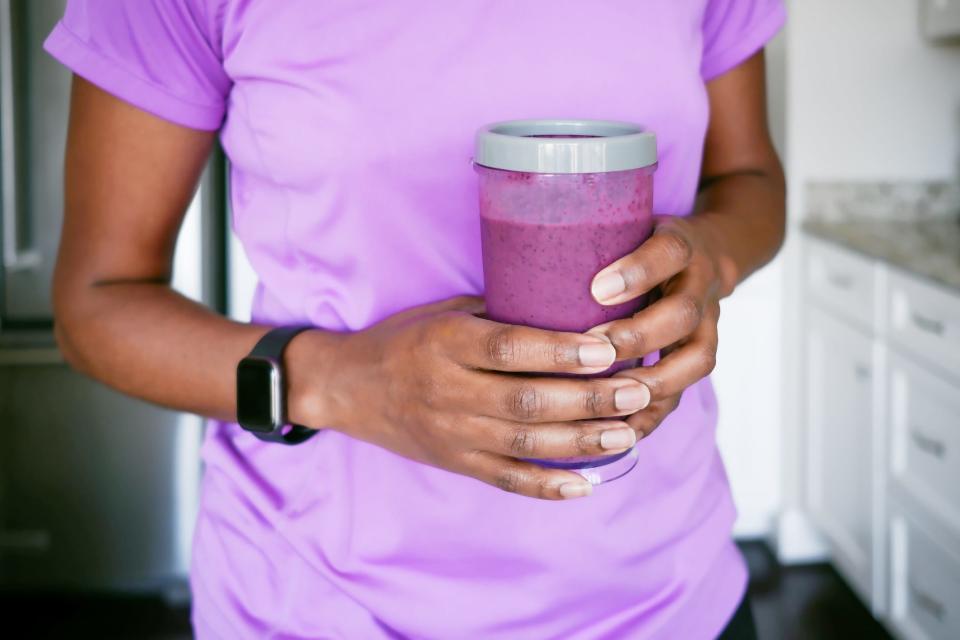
<point>841,280</point>
<point>924,581</point>
<point>925,321</point>
<point>841,446</point>
<point>924,413</point>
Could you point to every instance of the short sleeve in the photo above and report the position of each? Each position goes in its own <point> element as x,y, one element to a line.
<point>162,56</point>
<point>734,30</point>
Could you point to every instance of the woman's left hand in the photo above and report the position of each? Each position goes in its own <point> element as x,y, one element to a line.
<point>682,323</point>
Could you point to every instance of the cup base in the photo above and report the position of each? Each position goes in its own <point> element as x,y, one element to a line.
<point>600,470</point>
<point>610,472</point>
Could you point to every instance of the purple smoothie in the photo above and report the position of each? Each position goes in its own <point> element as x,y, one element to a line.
<point>539,275</point>
<point>560,201</point>
<point>545,237</point>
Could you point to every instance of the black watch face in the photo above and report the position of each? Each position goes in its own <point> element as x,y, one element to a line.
<point>257,391</point>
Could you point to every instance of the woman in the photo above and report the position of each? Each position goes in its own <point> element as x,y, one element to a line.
<point>349,128</point>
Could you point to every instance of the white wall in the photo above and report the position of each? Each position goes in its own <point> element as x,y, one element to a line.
<point>867,99</point>
<point>747,377</point>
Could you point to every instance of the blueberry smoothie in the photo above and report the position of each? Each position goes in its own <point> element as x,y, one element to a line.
<point>559,201</point>
<point>546,236</point>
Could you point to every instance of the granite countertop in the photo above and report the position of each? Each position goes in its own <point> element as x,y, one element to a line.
<point>929,248</point>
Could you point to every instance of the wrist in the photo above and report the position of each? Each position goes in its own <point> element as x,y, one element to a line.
<point>715,252</point>
<point>307,363</point>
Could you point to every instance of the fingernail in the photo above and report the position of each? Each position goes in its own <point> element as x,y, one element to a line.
<point>576,489</point>
<point>597,354</point>
<point>608,285</point>
<point>632,398</point>
<point>618,439</point>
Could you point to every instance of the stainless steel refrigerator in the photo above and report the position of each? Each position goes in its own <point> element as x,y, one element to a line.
<point>97,491</point>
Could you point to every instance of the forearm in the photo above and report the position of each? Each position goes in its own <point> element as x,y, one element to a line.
<point>148,341</point>
<point>742,218</point>
<point>130,176</point>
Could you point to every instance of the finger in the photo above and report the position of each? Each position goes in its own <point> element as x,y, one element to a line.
<point>527,478</point>
<point>521,399</point>
<point>665,254</point>
<point>692,360</point>
<point>645,422</point>
<point>670,319</point>
<point>484,344</point>
<point>557,440</point>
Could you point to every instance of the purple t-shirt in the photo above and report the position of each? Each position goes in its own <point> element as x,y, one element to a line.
<point>349,127</point>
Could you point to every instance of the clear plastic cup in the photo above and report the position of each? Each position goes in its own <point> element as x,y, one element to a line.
<point>559,201</point>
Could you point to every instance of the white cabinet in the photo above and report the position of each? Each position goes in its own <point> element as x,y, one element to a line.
<point>882,408</point>
<point>924,322</point>
<point>841,455</point>
<point>924,415</point>
<point>923,412</point>
<point>924,577</point>
<point>842,282</point>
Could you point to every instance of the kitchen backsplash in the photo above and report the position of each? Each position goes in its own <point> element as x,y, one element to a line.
<point>903,201</point>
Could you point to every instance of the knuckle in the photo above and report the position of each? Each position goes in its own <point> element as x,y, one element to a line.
<point>543,486</point>
<point>584,442</point>
<point>561,354</point>
<point>431,391</point>
<point>442,326</point>
<point>708,361</point>
<point>654,384</point>
<point>635,273</point>
<point>689,310</point>
<point>629,339</point>
<point>713,309</point>
<point>501,348</point>
<point>525,403</point>
<point>594,401</point>
<point>435,338</point>
<point>678,248</point>
<point>509,480</point>
<point>521,442</point>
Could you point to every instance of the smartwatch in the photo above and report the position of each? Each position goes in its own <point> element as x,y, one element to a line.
<point>261,390</point>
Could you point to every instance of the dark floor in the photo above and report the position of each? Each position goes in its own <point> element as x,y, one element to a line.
<point>796,603</point>
<point>809,602</point>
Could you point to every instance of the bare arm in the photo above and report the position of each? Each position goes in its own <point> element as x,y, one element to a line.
<point>129,179</point>
<point>742,203</point>
<point>737,228</point>
<point>429,383</point>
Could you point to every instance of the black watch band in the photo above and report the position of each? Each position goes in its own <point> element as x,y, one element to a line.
<point>269,349</point>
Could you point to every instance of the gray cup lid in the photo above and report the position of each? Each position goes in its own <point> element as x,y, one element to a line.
<point>520,145</point>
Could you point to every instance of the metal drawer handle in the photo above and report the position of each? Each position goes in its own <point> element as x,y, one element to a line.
<point>925,443</point>
<point>927,602</point>
<point>927,324</point>
<point>840,281</point>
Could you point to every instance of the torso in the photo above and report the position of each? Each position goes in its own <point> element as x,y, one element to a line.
<point>350,132</point>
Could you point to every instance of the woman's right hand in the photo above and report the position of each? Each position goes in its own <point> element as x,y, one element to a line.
<point>439,385</point>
